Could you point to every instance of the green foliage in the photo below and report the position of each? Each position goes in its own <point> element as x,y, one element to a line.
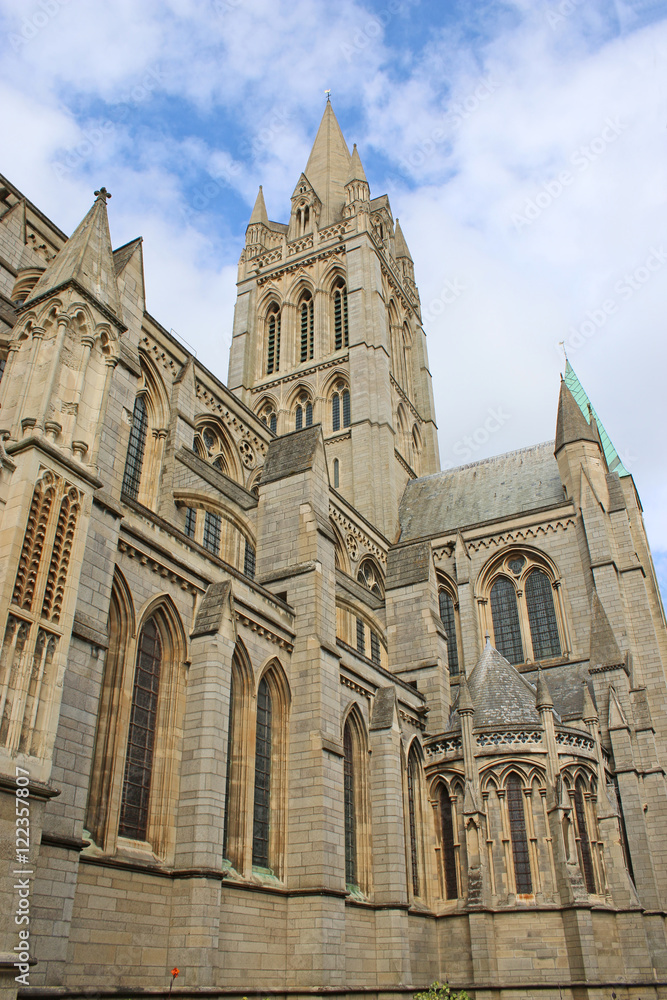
<point>441,991</point>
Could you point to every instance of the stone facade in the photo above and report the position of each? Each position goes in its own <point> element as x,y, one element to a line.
<point>296,711</point>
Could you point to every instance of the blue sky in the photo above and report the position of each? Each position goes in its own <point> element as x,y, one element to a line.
<point>522,145</point>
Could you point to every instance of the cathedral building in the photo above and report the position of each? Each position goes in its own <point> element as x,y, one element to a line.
<point>284,706</point>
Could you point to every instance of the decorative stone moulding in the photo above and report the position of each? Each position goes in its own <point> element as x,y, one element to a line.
<point>27,424</point>
<point>79,449</point>
<point>26,279</point>
<point>53,429</point>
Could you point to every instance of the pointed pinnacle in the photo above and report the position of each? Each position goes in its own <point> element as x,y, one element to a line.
<point>543,699</point>
<point>571,424</point>
<point>259,216</point>
<point>399,243</point>
<point>589,712</point>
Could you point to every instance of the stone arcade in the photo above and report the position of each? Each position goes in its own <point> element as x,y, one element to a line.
<point>299,711</point>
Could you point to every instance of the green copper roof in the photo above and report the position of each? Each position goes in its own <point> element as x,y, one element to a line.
<point>586,407</point>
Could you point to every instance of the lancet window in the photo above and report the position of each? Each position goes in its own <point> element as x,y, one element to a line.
<point>262,797</point>
<point>341,329</point>
<point>448,841</point>
<point>135,449</point>
<point>273,339</point>
<point>519,838</point>
<point>141,737</point>
<point>307,327</point>
<point>340,407</point>
<point>415,821</point>
<point>583,839</point>
<point>448,619</point>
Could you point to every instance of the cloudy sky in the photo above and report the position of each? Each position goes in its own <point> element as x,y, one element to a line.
<point>522,144</point>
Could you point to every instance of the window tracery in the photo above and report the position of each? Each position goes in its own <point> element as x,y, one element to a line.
<point>340,406</point>
<point>526,618</point>
<point>303,414</point>
<point>370,576</point>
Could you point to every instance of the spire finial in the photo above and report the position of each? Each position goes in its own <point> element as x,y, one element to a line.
<point>102,195</point>
<point>487,637</point>
<point>328,93</point>
<point>561,344</point>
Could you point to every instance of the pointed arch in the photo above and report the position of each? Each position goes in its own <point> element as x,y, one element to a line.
<point>146,737</point>
<point>148,431</point>
<point>415,840</point>
<point>241,698</point>
<point>121,630</point>
<point>356,801</point>
<point>270,769</point>
<point>514,785</point>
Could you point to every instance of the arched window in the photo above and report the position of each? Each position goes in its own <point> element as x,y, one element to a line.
<point>336,473</point>
<point>583,840</point>
<point>519,838</point>
<point>350,807</point>
<point>307,326</point>
<point>448,844</point>
<point>341,332</point>
<point>262,797</point>
<point>135,449</point>
<point>414,820</point>
<point>303,413</point>
<point>268,415</point>
<point>542,616</point>
<point>370,576</point>
<point>234,846</point>
<point>141,736</point>
<point>273,339</point>
<point>505,614</point>
<point>335,411</point>
<point>190,521</point>
<point>527,610</point>
<point>448,618</point>
<point>346,407</point>
<point>340,401</point>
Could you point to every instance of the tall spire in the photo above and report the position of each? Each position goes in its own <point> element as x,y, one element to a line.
<point>86,259</point>
<point>400,244</point>
<point>328,166</point>
<point>259,216</point>
<point>614,462</point>
<point>571,424</point>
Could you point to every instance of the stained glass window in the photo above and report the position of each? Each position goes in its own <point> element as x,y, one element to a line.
<point>135,449</point>
<point>448,619</point>
<point>542,616</point>
<point>262,801</point>
<point>413,786</point>
<point>505,616</point>
<point>448,842</point>
<point>517,818</point>
<point>584,842</point>
<point>350,811</point>
<point>141,736</point>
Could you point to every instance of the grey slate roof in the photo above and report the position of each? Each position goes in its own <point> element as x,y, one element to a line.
<point>500,695</point>
<point>494,488</point>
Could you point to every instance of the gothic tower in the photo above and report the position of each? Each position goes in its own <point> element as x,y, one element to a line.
<point>327,330</point>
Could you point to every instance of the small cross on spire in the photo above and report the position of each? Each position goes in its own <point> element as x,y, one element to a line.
<point>102,195</point>
<point>328,93</point>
